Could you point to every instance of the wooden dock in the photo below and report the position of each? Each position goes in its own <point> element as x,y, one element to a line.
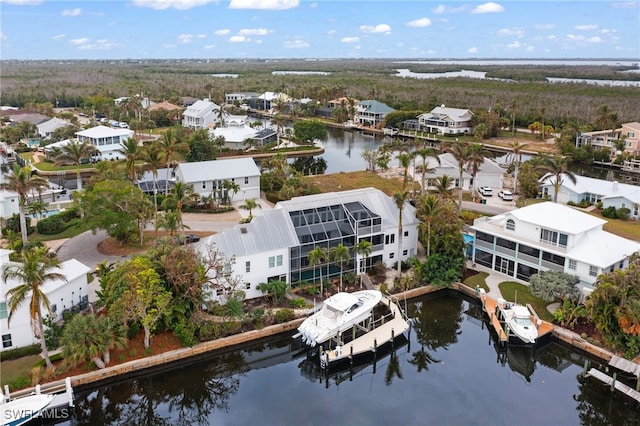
<point>489,306</point>
<point>615,384</point>
<point>370,341</point>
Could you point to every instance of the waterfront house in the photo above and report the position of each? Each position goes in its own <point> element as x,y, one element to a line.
<point>108,141</point>
<point>208,177</point>
<point>46,128</point>
<point>448,166</point>
<point>549,236</point>
<point>269,100</point>
<point>238,133</point>
<point>371,113</point>
<point>592,190</point>
<point>203,114</point>
<point>71,295</point>
<point>9,203</point>
<point>239,98</point>
<point>276,244</point>
<point>447,121</point>
<point>628,133</point>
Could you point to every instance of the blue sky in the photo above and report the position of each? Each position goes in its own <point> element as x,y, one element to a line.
<point>51,29</point>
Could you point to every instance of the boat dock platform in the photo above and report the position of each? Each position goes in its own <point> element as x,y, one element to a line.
<point>392,326</point>
<point>57,409</point>
<point>489,305</point>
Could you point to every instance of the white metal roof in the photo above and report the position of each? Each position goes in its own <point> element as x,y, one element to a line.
<point>590,185</point>
<point>235,134</point>
<point>217,169</point>
<point>104,132</point>
<point>200,108</point>
<point>602,249</point>
<point>557,217</point>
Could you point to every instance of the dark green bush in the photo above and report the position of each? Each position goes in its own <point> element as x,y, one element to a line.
<point>58,222</point>
<point>623,213</point>
<point>298,303</point>
<point>284,315</point>
<point>19,352</point>
<point>20,382</point>
<point>208,330</point>
<point>609,212</point>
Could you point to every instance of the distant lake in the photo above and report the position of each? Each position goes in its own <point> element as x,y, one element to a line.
<point>300,73</point>
<point>570,62</point>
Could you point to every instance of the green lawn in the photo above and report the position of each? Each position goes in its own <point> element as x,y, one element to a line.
<point>10,370</point>
<point>516,292</point>
<point>478,279</point>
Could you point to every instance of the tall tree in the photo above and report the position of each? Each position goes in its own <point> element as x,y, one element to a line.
<point>474,162</point>
<point>404,158</point>
<point>340,254</point>
<point>91,338</point>
<point>363,248</point>
<point>131,151</point>
<point>425,153</point>
<point>461,152</point>
<point>558,167</point>
<point>318,256</point>
<point>444,186</point>
<point>170,144</point>
<point>75,153</point>
<point>516,158</point>
<point>250,204</point>
<point>38,267</point>
<point>400,199</point>
<point>22,183</point>
<point>181,195</point>
<point>153,157</point>
<point>428,209</point>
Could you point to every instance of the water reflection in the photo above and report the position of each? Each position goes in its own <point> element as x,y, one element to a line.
<point>449,372</point>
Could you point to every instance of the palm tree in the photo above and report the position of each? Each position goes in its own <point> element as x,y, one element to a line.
<point>170,221</point>
<point>250,204</point>
<point>74,153</point>
<point>429,210</point>
<point>404,158</point>
<point>516,157</point>
<point>318,256</point>
<point>38,267</point>
<point>363,248</point>
<point>461,152</point>
<point>131,151</point>
<point>181,195</point>
<point>22,183</point>
<point>474,161</point>
<point>232,189</point>
<point>169,146</point>
<point>444,185</point>
<point>400,198</point>
<point>87,337</point>
<point>153,157</point>
<point>558,167</point>
<point>426,153</point>
<point>279,120</point>
<point>340,254</point>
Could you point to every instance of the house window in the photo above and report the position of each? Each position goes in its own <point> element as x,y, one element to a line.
<point>246,180</point>
<point>392,255</point>
<point>572,264</point>
<point>621,265</point>
<point>247,266</point>
<point>511,225</point>
<point>272,261</point>
<point>204,185</point>
<point>3,310</point>
<point>553,237</point>
<point>279,260</point>
<point>6,341</point>
<point>593,271</point>
<point>389,239</point>
<point>406,233</point>
<point>405,252</point>
<point>248,286</point>
<point>54,308</point>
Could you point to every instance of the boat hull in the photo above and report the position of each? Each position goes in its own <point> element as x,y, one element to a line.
<point>22,410</point>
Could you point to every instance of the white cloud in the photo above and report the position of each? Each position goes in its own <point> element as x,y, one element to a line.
<point>2,37</point>
<point>79,41</point>
<point>210,46</point>
<point>253,32</point>
<point>439,9</point>
<point>473,50</point>
<point>295,44</point>
<point>625,5</point>
<point>511,32</point>
<point>421,23</point>
<point>98,45</point>
<point>515,45</point>
<point>544,27</point>
<point>71,12</point>
<point>185,38</point>
<point>171,4</point>
<point>201,36</point>
<point>222,32</point>
<point>23,2</point>
<point>587,27</point>
<point>378,29</point>
<point>264,4</point>
<point>58,36</point>
<point>238,39</point>
<point>331,32</point>
<point>595,39</point>
<point>350,39</point>
<point>490,7</point>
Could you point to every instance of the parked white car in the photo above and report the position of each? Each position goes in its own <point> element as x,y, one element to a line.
<point>124,125</point>
<point>485,191</point>
<point>505,195</point>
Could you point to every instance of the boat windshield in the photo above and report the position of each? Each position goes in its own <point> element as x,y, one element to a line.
<point>354,307</point>
<point>329,312</point>
<point>521,321</point>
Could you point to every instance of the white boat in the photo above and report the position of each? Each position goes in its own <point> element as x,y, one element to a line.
<point>21,410</point>
<point>518,320</point>
<point>339,313</point>
<point>390,131</point>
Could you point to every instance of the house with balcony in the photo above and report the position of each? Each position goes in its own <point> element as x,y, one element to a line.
<point>549,236</point>
<point>239,98</point>
<point>107,140</point>
<point>208,178</point>
<point>238,133</point>
<point>70,295</point>
<point>447,121</point>
<point>276,244</point>
<point>371,113</point>
<point>628,135</point>
<point>203,114</point>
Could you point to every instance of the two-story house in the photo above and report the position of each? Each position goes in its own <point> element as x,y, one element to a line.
<point>628,135</point>
<point>108,141</point>
<point>71,294</point>
<point>203,114</point>
<point>371,113</point>
<point>276,244</point>
<point>446,121</point>
<point>549,236</point>
<point>208,177</point>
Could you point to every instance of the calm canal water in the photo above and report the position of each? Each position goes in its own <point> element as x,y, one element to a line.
<point>448,373</point>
